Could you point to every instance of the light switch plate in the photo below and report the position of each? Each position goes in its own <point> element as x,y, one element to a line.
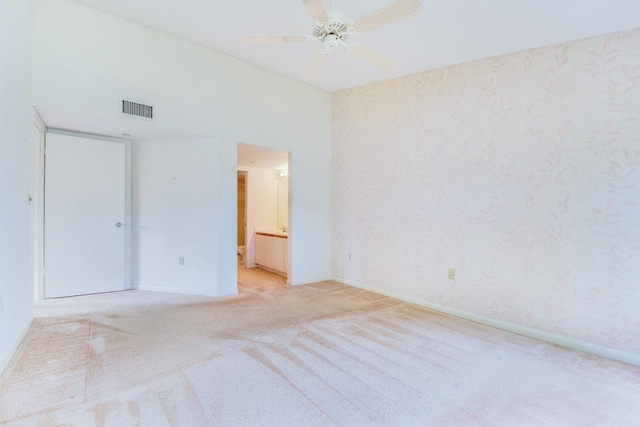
<point>452,274</point>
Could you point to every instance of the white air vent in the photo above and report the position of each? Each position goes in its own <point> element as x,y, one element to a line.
<point>136,109</point>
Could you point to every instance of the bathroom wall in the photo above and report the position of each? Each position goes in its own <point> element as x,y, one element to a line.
<point>521,172</point>
<point>283,201</point>
<point>262,205</point>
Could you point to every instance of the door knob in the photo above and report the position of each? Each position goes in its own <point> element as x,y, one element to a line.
<point>118,224</point>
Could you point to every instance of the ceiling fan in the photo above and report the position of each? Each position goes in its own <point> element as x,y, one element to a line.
<point>333,29</point>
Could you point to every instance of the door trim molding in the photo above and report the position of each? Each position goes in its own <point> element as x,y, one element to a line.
<point>87,135</point>
<point>38,197</point>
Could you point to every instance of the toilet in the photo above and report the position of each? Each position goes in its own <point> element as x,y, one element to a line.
<point>241,253</point>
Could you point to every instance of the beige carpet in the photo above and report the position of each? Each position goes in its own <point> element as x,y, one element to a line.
<point>323,354</point>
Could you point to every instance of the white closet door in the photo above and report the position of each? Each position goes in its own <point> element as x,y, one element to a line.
<point>84,216</point>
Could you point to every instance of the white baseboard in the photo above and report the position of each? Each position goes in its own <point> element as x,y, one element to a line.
<point>173,290</point>
<point>14,347</point>
<point>574,344</point>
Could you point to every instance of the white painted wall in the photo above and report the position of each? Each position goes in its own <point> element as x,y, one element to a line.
<point>85,61</point>
<point>522,172</point>
<point>16,175</point>
<point>174,203</point>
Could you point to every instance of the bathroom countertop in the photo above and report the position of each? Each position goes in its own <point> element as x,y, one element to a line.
<point>271,231</point>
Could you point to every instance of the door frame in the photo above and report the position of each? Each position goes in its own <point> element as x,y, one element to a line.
<point>40,208</point>
<point>247,258</point>
<point>38,198</point>
<point>246,212</point>
<point>289,266</point>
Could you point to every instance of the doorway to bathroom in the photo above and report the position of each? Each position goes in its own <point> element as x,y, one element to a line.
<point>264,218</point>
<point>242,216</point>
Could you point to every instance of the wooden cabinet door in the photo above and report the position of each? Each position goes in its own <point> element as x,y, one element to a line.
<point>272,252</point>
<point>269,258</point>
<point>278,253</point>
<point>285,257</point>
<point>262,244</point>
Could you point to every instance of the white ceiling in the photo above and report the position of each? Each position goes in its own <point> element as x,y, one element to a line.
<point>447,32</point>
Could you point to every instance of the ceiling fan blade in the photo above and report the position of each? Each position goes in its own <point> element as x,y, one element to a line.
<point>371,56</point>
<point>316,9</point>
<point>317,66</point>
<point>275,38</point>
<point>401,9</point>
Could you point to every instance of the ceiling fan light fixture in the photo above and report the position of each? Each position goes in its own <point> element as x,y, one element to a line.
<point>331,42</point>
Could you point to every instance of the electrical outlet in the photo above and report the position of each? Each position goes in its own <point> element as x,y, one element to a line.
<point>181,260</point>
<point>452,274</point>
<point>349,256</point>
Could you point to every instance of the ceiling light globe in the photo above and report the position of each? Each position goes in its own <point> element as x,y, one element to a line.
<point>331,41</point>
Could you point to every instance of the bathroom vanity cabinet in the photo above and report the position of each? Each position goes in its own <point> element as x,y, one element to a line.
<point>271,252</point>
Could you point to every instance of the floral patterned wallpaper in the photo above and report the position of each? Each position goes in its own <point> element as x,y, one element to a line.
<point>521,172</point>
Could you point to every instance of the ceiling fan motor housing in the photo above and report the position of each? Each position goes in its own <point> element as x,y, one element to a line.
<point>333,31</point>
